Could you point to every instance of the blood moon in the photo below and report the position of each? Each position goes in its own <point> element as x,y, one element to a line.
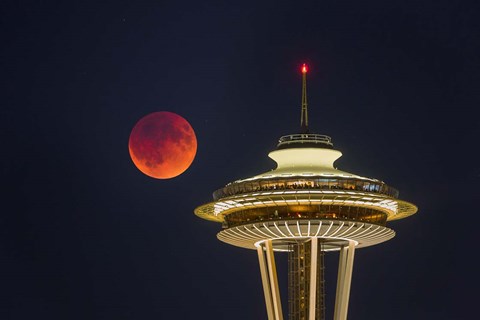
<point>162,145</point>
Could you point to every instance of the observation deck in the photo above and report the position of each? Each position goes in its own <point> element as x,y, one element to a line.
<point>305,196</point>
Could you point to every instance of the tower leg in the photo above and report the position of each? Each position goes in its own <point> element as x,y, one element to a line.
<point>313,279</point>
<point>345,268</point>
<point>265,282</point>
<point>272,272</point>
<point>268,270</point>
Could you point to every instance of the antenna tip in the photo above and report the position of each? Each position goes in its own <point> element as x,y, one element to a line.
<point>304,68</point>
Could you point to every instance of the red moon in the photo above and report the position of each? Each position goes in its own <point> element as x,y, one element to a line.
<point>162,145</point>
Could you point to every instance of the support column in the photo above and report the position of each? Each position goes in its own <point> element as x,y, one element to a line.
<point>265,282</point>
<point>345,268</point>
<point>313,278</point>
<point>341,267</point>
<point>272,271</point>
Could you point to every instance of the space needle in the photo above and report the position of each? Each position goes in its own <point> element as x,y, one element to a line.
<point>305,207</point>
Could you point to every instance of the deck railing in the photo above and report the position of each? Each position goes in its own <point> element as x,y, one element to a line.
<point>305,138</point>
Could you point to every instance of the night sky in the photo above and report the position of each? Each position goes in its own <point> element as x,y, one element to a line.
<point>85,235</point>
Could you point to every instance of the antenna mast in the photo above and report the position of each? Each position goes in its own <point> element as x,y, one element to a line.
<point>304,115</point>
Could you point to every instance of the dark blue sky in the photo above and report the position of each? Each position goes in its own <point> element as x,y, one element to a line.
<point>85,235</point>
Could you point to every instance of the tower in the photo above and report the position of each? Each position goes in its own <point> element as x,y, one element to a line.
<point>305,207</point>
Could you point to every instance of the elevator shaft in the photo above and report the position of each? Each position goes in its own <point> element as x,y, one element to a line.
<point>299,281</point>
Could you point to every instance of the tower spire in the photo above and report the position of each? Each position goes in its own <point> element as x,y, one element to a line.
<point>304,115</point>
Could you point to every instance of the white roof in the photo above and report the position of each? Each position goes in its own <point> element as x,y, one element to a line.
<point>306,162</point>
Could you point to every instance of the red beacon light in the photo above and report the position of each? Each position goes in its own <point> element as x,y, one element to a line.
<point>304,68</point>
